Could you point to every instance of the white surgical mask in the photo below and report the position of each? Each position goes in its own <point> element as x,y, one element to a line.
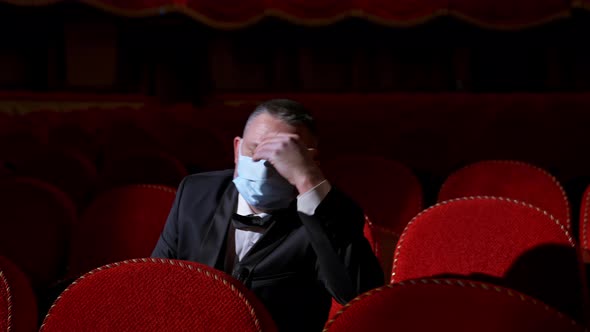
<point>261,185</point>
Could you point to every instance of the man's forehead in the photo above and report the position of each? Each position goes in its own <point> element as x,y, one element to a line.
<point>265,125</point>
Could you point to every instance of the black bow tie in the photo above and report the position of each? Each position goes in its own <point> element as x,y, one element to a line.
<point>242,222</point>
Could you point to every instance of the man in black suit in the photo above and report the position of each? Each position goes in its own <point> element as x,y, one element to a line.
<point>275,223</point>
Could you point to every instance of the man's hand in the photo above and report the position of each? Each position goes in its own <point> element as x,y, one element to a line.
<point>291,158</point>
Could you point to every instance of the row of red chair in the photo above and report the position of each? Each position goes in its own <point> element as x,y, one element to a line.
<point>96,133</point>
<point>78,177</point>
<point>498,240</point>
<point>32,246</point>
<point>389,192</point>
<point>570,305</point>
<point>391,195</point>
<point>156,295</point>
<point>41,233</point>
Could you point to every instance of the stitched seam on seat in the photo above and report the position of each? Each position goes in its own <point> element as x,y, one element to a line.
<point>456,283</point>
<point>165,261</point>
<point>155,187</point>
<point>6,286</point>
<point>585,221</point>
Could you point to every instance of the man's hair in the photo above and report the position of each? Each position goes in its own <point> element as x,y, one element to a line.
<point>288,111</point>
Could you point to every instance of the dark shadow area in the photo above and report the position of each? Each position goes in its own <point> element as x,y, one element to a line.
<point>550,273</point>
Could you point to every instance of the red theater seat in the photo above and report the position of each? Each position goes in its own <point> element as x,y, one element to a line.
<point>142,166</point>
<point>448,305</point>
<point>69,171</point>
<point>120,224</point>
<point>504,241</point>
<point>18,307</point>
<point>19,146</point>
<point>511,179</point>
<point>35,219</point>
<point>157,295</point>
<point>75,137</point>
<point>124,135</point>
<point>200,148</point>
<point>389,193</point>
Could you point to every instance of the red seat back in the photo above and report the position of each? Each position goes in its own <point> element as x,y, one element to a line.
<point>18,307</point>
<point>200,148</point>
<point>75,137</point>
<point>35,220</point>
<point>494,239</point>
<point>120,224</point>
<point>157,295</point>
<point>142,166</point>
<point>447,305</point>
<point>69,171</point>
<point>389,193</point>
<point>511,179</point>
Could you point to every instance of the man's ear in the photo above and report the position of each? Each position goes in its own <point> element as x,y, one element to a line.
<point>237,141</point>
<point>315,155</point>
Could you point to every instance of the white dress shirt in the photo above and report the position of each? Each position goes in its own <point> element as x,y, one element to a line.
<point>306,203</point>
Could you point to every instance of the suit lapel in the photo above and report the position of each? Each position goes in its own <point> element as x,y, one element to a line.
<point>214,242</point>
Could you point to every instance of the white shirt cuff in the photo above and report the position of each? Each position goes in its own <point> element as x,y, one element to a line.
<point>311,199</point>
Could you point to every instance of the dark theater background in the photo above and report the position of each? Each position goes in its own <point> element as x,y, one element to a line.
<point>480,106</point>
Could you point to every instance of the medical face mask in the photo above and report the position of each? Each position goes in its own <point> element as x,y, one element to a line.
<point>261,185</point>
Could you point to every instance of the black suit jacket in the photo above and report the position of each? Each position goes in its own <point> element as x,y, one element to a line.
<point>296,266</point>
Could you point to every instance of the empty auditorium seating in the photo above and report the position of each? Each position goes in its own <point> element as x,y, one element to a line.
<point>503,241</point>
<point>157,295</point>
<point>76,137</point>
<point>125,134</point>
<point>19,145</point>
<point>121,223</point>
<point>141,166</point>
<point>35,218</point>
<point>199,148</point>
<point>509,179</point>
<point>448,305</point>
<point>68,170</point>
<point>389,193</point>
<point>18,308</point>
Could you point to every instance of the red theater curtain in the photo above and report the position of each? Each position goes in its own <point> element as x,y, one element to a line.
<point>233,14</point>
